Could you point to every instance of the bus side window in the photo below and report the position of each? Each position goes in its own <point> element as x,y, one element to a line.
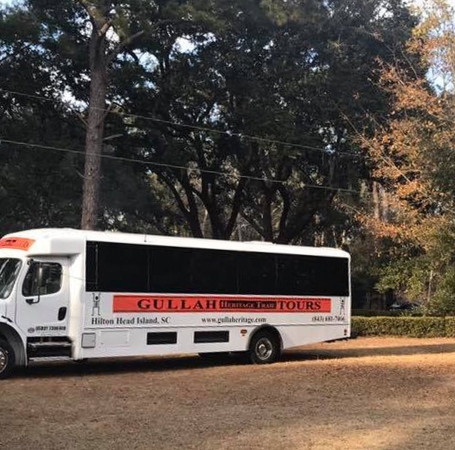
<point>119,268</point>
<point>256,273</point>
<point>51,280</point>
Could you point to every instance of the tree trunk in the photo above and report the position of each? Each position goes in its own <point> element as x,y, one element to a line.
<point>95,128</point>
<point>267,217</point>
<point>376,201</point>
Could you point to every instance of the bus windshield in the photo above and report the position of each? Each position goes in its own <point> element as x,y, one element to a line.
<point>9,269</point>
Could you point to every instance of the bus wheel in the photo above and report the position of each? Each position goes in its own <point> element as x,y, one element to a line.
<point>264,348</point>
<point>7,359</point>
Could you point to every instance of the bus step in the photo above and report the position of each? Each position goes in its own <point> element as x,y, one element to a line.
<point>49,358</point>
<point>50,349</point>
<point>35,345</point>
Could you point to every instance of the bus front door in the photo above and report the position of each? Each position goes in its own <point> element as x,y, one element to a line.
<point>42,304</point>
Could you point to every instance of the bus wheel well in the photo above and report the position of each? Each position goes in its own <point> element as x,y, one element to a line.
<point>11,336</point>
<point>265,345</point>
<point>268,329</point>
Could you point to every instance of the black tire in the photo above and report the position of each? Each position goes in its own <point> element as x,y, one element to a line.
<point>264,348</point>
<point>7,359</point>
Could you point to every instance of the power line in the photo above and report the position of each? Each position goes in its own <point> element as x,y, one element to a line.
<point>157,164</point>
<point>196,127</point>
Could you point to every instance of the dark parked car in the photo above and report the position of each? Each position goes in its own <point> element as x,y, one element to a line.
<point>404,306</point>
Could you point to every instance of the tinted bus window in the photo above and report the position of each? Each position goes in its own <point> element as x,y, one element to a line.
<point>310,275</point>
<point>257,273</point>
<point>122,267</point>
<point>295,275</point>
<point>139,268</point>
<point>91,266</point>
<point>170,270</point>
<point>335,276</point>
<point>214,271</point>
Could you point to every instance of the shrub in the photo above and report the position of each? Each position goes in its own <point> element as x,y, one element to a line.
<point>404,326</point>
<point>385,313</point>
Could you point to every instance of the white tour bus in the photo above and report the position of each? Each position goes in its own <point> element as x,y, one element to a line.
<point>71,294</point>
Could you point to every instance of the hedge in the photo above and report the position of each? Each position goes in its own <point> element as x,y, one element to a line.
<point>404,326</point>
<point>383,313</point>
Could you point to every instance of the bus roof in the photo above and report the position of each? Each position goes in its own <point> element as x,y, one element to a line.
<point>71,241</point>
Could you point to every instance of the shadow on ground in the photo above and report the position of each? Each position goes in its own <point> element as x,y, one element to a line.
<point>325,352</point>
<point>112,366</point>
<point>160,364</point>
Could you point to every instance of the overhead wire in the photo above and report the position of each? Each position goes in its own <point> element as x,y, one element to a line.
<point>173,166</point>
<point>195,127</point>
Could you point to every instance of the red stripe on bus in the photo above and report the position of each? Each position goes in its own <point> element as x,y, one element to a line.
<point>16,243</point>
<point>174,303</point>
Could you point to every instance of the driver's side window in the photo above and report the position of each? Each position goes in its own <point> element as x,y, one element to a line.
<point>42,278</point>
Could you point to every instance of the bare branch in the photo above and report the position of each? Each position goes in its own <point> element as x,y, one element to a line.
<point>108,110</point>
<point>80,174</point>
<point>112,136</point>
<point>82,119</point>
<point>120,47</point>
<point>99,19</point>
<point>236,205</point>
<point>253,224</point>
<point>134,56</point>
<point>104,29</point>
<point>91,10</point>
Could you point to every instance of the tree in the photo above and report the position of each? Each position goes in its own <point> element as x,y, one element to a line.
<point>411,159</point>
<point>126,23</point>
<point>38,187</point>
<point>82,43</point>
<point>241,112</point>
<point>274,74</point>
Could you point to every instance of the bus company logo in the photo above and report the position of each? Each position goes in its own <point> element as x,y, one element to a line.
<point>96,301</point>
<point>134,304</point>
<point>342,306</point>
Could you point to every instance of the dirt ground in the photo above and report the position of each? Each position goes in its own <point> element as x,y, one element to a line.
<point>369,393</point>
